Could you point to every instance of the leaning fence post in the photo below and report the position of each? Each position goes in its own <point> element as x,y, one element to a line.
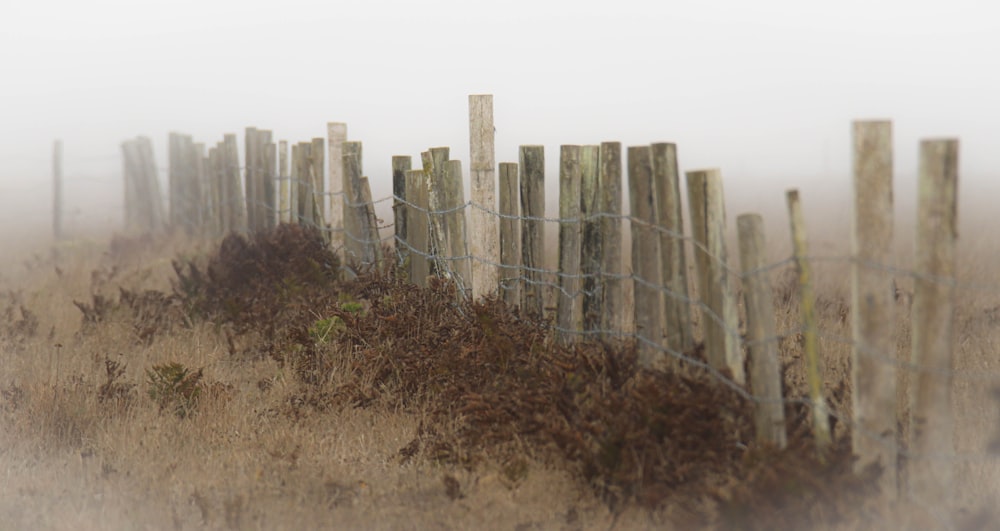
<point>676,299</point>
<point>648,306</point>
<point>370,223</point>
<point>715,283</point>
<point>510,234</point>
<point>484,229</point>
<point>810,337</point>
<point>570,301</point>
<point>610,185</point>
<point>765,369</point>
<point>400,165</point>
<point>532,166</point>
<point>932,474</point>
<point>590,245</point>
<point>874,434</point>
<point>57,176</point>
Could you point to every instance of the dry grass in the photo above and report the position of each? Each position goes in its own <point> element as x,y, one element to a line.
<point>84,446</point>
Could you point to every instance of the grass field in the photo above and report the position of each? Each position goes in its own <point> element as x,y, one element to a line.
<point>327,404</point>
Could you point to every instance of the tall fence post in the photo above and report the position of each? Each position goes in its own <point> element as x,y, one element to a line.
<point>610,186</point>
<point>510,234</point>
<point>532,166</point>
<point>400,165</point>
<point>484,230</point>
<point>305,197</point>
<point>417,226</point>
<point>316,180</point>
<point>874,435</point>
<point>284,184</point>
<point>570,301</point>
<point>715,283</point>
<point>765,368</point>
<point>268,158</point>
<point>648,306</point>
<point>932,475</point>
<point>57,190</point>
<point>591,237</point>
<point>200,183</point>
<point>153,204</point>
<point>336,136</point>
<point>237,220</point>
<point>216,183</point>
<point>810,331</point>
<point>355,214</point>
<point>251,168</point>
<point>676,300</point>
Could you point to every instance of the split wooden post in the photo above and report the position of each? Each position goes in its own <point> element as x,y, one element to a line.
<point>715,282</point>
<point>370,225</point>
<point>591,242</point>
<point>648,306</point>
<point>355,213</point>
<point>673,264</point>
<point>570,301</point>
<point>251,169</point>
<point>932,474</point>
<point>400,165</point>
<point>765,368</point>
<point>510,234</point>
<point>57,189</point>
<point>874,435</point>
<point>485,230</point>
<point>284,184</point>
<point>237,220</point>
<point>446,201</point>
<point>417,226</point>
<point>610,184</point>
<point>532,166</point>
<point>336,136</point>
<point>810,331</point>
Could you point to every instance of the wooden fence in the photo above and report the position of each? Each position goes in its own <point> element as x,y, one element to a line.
<point>493,244</point>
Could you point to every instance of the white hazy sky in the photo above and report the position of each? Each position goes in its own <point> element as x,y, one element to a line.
<point>765,90</point>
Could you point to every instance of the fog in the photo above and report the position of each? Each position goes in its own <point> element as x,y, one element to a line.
<point>763,90</point>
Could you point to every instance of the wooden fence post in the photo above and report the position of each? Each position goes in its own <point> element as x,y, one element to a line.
<point>591,237</point>
<point>510,234</point>
<point>216,176</point>
<point>284,184</point>
<point>305,198</point>
<point>200,183</point>
<point>57,195</point>
<point>355,213</point>
<point>532,165</point>
<point>270,202</point>
<point>648,306</point>
<point>237,220</point>
<point>874,435</point>
<point>718,302</point>
<point>570,301</point>
<point>153,203</point>
<point>676,300</point>
<point>765,369</point>
<point>373,242</point>
<point>174,184</point>
<point>448,195</point>
<point>417,226</point>
<point>316,179</point>
<point>336,136</point>
<point>610,186</point>
<point>485,230</point>
<point>932,475</point>
<point>251,168</point>
<point>400,165</point>
<point>810,331</point>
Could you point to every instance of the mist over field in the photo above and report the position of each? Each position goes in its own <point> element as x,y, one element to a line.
<point>765,91</point>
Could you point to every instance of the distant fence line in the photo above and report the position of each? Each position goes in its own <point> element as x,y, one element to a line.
<point>494,244</point>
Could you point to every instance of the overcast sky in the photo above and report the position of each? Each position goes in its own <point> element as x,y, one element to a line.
<point>764,90</point>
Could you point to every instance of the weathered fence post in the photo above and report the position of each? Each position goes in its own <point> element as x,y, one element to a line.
<point>647,312</point>
<point>676,299</point>
<point>715,284</point>
<point>448,195</point>
<point>570,301</point>
<point>57,195</point>
<point>417,226</point>
<point>370,224</point>
<point>216,174</point>
<point>295,183</point>
<point>610,186</point>
<point>356,213</point>
<point>153,204</point>
<point>284,184</point>
<point>810,331</point>
<point>174,180</point>
<point>932,475</point>
<point>765,369</point>
<point>237,220</point>
<point>270,203</point>
<point>532,166</point>
<point>316,179</point>
<point>591,237</point>
<point>873,387</point>
<point>251,172</point>
<point>336,136</point>
<point>400,165</point>
<point>485,235</point>
<point>510,234</point>
<point>199,182</point>
<point>648,306</point>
